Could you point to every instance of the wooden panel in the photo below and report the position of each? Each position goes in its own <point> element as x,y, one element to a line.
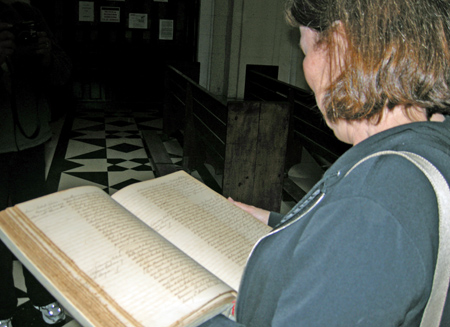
<point>307,127</point>
<point>158,154</point>
<point>192,154</point>
<point>273,131</point>
<point>293,190</point>
<point>255,153</point>
<point>209,119</point>
<point>209,138</point>
<point>217,106</point>
<point>241,151</point>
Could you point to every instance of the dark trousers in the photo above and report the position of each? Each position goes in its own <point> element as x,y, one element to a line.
<point>22,178</point>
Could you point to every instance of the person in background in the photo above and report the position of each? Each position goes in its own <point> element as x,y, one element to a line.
<point>30,62</point>
<point>360,250</point>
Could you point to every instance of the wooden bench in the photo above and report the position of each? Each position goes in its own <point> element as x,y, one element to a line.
<point>307,128</point>
<point>243,140</point>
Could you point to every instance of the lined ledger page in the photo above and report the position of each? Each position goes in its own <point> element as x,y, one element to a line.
<point>207,227</point>
<point>151,279</point>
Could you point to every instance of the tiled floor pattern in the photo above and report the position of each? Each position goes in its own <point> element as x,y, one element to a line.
<point>105,149</point>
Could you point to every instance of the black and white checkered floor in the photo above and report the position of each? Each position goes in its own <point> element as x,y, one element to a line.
<point>104,148</point>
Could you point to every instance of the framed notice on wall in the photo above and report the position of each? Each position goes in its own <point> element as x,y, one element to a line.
<point>86,11</point>
<point>138,21</point>
<point>166,29</point>
<point>110,14</point>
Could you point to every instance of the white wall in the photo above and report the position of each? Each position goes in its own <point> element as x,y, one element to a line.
<point>205,40</point>
<point>214,44</point>
<point>235,33</point>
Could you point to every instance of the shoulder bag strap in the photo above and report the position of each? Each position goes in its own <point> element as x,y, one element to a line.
<point>433,311</point>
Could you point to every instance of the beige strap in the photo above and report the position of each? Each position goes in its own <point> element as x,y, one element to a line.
<point>435,306</point>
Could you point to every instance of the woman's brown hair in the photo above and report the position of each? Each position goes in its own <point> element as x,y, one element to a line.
<point>394,52</point>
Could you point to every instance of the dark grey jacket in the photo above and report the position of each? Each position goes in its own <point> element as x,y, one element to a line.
<point>362,251</point>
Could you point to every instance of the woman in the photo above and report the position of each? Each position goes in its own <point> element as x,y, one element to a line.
<point>360,250</point>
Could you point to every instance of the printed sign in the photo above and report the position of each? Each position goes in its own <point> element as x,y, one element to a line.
<point>138,21</point>
<point>110,14</point>
<point>86,11</point>
<point>165,29</point>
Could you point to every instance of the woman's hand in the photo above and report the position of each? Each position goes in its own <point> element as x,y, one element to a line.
<point>7,45</point>
<point>258,213</point>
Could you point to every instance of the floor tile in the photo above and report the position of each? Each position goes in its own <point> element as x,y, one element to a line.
<point>69,181</point>
<point>90,165</point>
<point>78,148</point>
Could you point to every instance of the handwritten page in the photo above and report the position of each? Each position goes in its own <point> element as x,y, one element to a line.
<point>207,227</point>
<point>146,275</point>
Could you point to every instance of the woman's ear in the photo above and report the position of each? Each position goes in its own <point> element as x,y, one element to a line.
<point>339,36</point>
<point>339,46</point>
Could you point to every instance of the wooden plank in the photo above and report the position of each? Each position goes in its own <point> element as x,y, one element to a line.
<point>241,151</point>
<point>272,142</point>
<point>255,153</point>
<point>293,190</point>
<point>208,179</point>
<point>158,154</point>
<point>193,153</point>
<point>307,127</point>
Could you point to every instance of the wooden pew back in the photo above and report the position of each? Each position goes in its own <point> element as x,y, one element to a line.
<point>307,126</point>
<point>244,140</point>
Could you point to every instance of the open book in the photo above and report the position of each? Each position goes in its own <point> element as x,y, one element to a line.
<point>164,252</point>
